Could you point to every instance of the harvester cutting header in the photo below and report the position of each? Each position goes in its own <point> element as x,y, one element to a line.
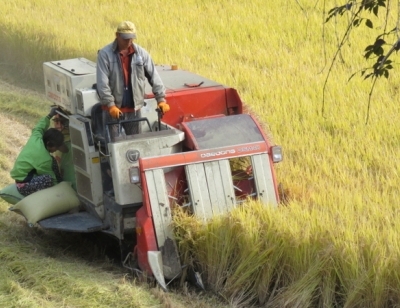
<point>205,154</point>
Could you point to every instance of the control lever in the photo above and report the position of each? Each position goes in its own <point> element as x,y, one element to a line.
<point>119,127</point>
<point>160,114</point>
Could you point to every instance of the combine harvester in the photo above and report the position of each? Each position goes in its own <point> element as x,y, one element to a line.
<point>129,186</point>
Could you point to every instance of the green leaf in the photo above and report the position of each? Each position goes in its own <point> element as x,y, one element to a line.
<point>368,76</point>
<point>386,74</point>
<point>379,42</point>
<point>351,77</point>
<point>375,10</point>
<point>356,22</point>
<point>382,3</point>
<point>368,54</point>
<point>333,11</point>
<point>378,51</point>
<point>369,48</point>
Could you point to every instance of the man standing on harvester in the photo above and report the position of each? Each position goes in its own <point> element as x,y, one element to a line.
<point>122,69</point>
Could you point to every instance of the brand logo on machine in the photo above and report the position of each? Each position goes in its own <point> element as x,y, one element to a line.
<point>249,148</point>
<point>132,155</point>
<point>218,153</point>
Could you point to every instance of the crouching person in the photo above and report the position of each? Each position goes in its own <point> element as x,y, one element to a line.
<point>35,169</point>
<point>64,158</point>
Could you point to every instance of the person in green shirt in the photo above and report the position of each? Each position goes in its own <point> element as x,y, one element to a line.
<point>35,168</point>
<point>64,158</point>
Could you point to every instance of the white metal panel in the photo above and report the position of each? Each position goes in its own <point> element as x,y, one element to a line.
<point>160,206</point>
<point>85,100</point>
<point>220,186</point>
<point>176,79</point>
<point>227,184</point>
<point>263,179</point>
<point>162,219</point>
<point>211,188</point>
<point>198,190</point>
<point>211,175</point>
<point>148,145</point>
<point>87,164</point>
<point>63,77</point>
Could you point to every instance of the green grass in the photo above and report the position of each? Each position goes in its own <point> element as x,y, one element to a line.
<point>335,241</point>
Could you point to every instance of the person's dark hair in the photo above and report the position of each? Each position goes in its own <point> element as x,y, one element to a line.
<point>53,138</point>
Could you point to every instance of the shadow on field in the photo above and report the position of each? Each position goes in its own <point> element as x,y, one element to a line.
<point>22,56</point>
<point>95,247</point>
<point>103,251</point>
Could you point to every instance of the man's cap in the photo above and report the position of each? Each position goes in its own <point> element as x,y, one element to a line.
<point>127,30</point>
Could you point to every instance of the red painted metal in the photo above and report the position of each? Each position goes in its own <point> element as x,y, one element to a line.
<point>270,158</point>
<point>201,102</point>
<point>145,234</point>
<point>146,239</point>
<point>188,104</point>
<point>185,158</point>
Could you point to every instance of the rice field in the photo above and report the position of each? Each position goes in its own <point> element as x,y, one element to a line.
<point>334,243</point>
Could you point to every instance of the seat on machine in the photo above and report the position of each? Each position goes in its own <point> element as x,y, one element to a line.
<point>100,138</point>
<point>98,127</point>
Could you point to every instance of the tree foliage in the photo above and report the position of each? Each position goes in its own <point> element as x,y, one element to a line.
<point>377,53</point>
